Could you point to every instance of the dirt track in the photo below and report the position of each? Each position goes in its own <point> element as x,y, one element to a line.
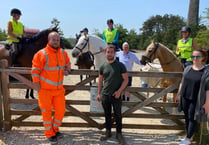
<point>87,136</point>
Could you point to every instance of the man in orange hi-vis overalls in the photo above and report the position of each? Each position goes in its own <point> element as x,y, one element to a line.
<point>49,67</point>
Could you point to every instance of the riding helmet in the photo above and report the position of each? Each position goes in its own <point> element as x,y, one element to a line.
<point>85,29</point>
<point>186,29</point>
<point>110,21</point>
<point>15,11</point>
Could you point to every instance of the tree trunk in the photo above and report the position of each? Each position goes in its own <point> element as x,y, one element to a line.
<point>193,13</point>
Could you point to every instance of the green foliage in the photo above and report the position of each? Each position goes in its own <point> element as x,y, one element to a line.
<point>67,43</point>
<point>3,35</point>
<point>202,39</point>
<point>164,29</point>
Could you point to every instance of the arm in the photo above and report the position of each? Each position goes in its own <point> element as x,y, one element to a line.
<point>9,30</point>
<point>194,43</point>
<point>178,93</point>
<point>123,85</point>
<point>99,87</point>
<point>67,70</point>
<point>104,38</point>
<point>116,38</point>
<point>206,105</point>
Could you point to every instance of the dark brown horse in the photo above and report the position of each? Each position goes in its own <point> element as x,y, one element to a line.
<point>28,49</point>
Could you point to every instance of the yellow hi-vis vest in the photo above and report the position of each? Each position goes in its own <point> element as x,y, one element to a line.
<point>17,29</point>
<point>185,49</point>
<point>110,35</point>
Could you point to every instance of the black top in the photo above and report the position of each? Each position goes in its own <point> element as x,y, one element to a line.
<point>192,84</point>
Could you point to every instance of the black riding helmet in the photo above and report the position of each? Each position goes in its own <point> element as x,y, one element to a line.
<point>186,29</point>
<point>15,11</point>
<point>110,21</point>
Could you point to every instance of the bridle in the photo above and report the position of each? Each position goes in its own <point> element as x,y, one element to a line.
<point>149,56</point>
<point>87,43</point>
<point>153,52</point>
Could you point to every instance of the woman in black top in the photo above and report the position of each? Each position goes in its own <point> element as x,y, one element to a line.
<point>191,92</point>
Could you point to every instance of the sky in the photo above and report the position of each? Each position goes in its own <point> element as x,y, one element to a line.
<point>74,15</point>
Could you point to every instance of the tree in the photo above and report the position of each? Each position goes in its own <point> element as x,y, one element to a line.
<point>3,35</point>
<point>123,33</point>
<point>193,13</point>
<point>162,29</point>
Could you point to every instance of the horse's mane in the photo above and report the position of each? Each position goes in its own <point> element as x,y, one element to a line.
<point>171,52</point>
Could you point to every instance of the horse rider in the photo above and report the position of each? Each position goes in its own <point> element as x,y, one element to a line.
<point>110,34</point>
<point>85,31</point>
<point>185,46</point>
<point>15,30</point>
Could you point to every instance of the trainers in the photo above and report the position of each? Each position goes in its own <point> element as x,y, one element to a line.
<point>52,139</point>
<point>120,138</point>
<point>107,135</point>
<point>59,135</point>
<point>183,138</point>
<point>185,142</point>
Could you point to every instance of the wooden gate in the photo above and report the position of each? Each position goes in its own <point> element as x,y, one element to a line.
<point>13,117</point>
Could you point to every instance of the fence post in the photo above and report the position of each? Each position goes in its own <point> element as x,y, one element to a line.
<point>7,124</point>
<point>1,107</point>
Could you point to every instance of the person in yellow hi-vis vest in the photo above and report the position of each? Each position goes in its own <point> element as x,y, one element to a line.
<point>15,31</point>
<point>110,34</point>
<point>185,46</point>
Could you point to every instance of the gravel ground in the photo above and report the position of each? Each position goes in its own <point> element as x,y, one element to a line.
<point>87,136</point>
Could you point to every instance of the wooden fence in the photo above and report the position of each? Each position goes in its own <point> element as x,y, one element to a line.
<point>13,117</point>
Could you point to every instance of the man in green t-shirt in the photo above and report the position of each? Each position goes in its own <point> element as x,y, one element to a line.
<point>114,78</point>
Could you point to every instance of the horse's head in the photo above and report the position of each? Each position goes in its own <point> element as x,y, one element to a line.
<point>150,53</point>
<point>81,46</point>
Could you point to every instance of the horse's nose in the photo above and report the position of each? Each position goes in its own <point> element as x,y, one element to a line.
<point>75,53</point>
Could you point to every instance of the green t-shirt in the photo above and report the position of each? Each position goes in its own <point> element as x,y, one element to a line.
<point>112,76</point>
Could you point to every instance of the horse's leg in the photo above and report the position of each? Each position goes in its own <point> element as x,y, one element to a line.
<point>81,77</point>
<point>164,98</point>
<point>27,94</point>
<point>31,94</point>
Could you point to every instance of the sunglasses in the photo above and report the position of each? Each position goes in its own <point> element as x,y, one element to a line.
<point>197,57</point>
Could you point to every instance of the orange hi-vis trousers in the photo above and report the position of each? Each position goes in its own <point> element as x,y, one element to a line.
<point>52,100</point>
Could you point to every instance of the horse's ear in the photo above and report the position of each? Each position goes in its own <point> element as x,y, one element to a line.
<point>153,42</point>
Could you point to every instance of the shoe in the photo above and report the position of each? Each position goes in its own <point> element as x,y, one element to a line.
<point>185,142</point>
<point>52,139</point>
<point>59,135</point>
<point>107,135</point>
<point>128,99</point>
<point>124,97</point>
<point>183,138</point>
<point>120,138</point>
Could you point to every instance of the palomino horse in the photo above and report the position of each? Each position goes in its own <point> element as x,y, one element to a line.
<point>29,48</point>
<point>168,61</point>
<point>92,44</point>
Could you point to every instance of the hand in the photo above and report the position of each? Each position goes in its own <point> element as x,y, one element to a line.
<point>66,72</point>
<point>37,86</point>
<point>98,98</point>
<point>117,94</point>
<point>206,107</point>
<point>177,99</point>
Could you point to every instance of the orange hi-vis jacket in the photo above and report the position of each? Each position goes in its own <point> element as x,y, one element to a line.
<point>48,66</point>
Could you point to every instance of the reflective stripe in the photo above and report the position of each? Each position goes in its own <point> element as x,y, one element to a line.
<point>56,125</point>
<point>35,75</point>
<point>57,121</point>
<point>51,82</point>
<point>34,68</point>
<point>48,128</point>
<point>54,68</point>
<point>43,110</point>
<point>68,64</point>
<point>47,122</point>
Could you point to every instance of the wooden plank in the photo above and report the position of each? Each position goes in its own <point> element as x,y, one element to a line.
<point>127,126</point>
<point>5,93</point>
<point>159,109</point>
<point>135,115</point>
<point>23,80</point>
<point>1,108</point>
<point>83,116</point>
<point>151,99</point>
